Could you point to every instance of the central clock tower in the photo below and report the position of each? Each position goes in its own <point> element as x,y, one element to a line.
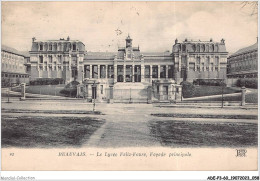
<point>128,41</point>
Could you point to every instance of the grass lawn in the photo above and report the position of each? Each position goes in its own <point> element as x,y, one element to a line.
<point>43,89</point>
<point>204,134</point>
<point>50,111</point>
<point>213,90</point>
<point>206,116</point>
<point>47,132</point>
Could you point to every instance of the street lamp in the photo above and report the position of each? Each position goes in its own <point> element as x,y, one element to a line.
<point>94,96</point>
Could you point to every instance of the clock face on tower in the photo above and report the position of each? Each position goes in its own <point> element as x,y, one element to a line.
<point>128,43</point>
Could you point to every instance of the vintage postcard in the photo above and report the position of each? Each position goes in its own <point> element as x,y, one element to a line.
<point>129,86</point>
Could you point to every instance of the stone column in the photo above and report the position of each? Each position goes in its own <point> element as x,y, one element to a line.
<point>159,71</point>
<point>89,92</point>
<point>78,91</point>
<point>243,96</point>
<point>174,92</point>
<point>22,91</point>
<point>124,70</point>
<point>106,67</point>
<point>133,73</point>
<point>167,71</point>
<point>179,94</point>
<point>115,72</point>
<point>98,71</point>
<point>151,73</point>
<point>170,92</point>
<point>90,71</point>
<point>179,63</point>
<point>142,72</point>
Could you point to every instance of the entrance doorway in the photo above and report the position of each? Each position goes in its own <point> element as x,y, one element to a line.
<point>94,92</point>
<point>165,92</point>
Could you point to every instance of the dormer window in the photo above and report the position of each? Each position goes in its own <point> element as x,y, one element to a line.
<point>41,47</point>
<point>74,47</point>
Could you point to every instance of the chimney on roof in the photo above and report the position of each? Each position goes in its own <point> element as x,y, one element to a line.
<point>68,38</point>
<point>176,41</point>
<point>33,39</point>
<point>211,40</point>
<point>222,41</point>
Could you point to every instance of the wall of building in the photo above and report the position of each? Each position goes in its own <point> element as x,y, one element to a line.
<point>199,60</point>
<point>13,67</point>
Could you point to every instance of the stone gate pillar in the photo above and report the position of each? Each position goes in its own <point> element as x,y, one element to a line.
<point>111,94</point>
<point>149,95</point>
<point>22,91</point>
<point>243,96</point>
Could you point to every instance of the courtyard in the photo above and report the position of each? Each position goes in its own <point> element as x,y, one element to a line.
<point>72,123</point>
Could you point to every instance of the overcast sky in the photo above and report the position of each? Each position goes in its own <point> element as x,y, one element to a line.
<point>153,25</point>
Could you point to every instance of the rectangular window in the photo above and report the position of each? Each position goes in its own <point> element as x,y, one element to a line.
<point>59,59</point>
<point>94,71</point>
<point>129,73</point>
<point>50,47</point>
<point>41,47</point>
<point>183,72</point>
<point>162,71</point>
<point>110,71</point>
<point>147,71</point>
<point>41,59</point>
<point>74,47</point>
<point>155,71</point>
<point>170,71</point>
<point>102,71</point>
<point>120,77</point>
<point>74,61</point>
<point>202,65</point>
<point>137,72</point>
<point>192,66</point>
<point>74,73</point>
<point>87,71</point>
<point>50,59</point>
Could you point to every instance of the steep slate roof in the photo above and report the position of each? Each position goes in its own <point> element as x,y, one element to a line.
<point>246,49</point>
<point>14,51</point>
<point>167,53</point>
<point>111,55</point>
<point>100,55</point>
<point>191,46</point>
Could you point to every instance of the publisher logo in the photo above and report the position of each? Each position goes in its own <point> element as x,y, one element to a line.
<point>241,153</point>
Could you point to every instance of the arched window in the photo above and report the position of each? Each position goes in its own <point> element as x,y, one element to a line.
<point>198,48</point>
<point>184,48</point>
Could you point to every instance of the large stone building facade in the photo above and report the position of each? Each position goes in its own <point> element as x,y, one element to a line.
<point>128,73</point>
<point>199,60</point>
<point>57,59</point>
<point>14,69</point>
<point>243,64</point>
